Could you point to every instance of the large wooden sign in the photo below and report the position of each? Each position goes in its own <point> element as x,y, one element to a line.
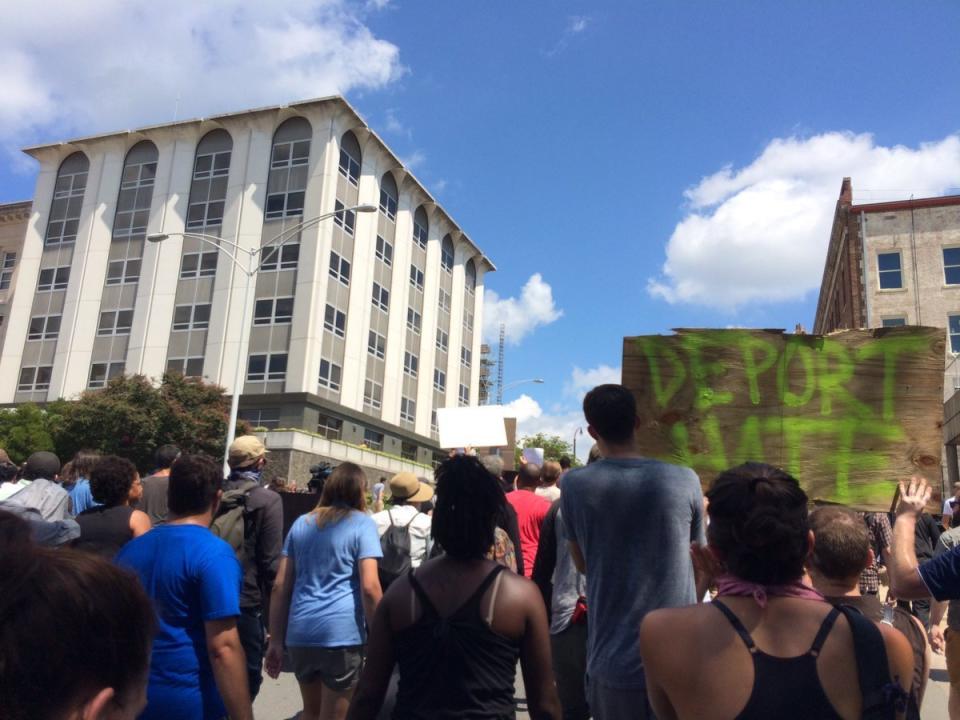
<point>847,414</point>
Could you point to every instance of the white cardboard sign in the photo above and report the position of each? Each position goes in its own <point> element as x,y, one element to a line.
<point>471,427</point>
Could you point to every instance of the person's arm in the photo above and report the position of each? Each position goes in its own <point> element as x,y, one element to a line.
<point>937,610</point>
<point>512,527</point>
<point>370,589</point>
<point>229,667</point>
<point>139,523</point>
<point>905,580</point>
<point>899,658</point>
<point>279,614</point>
<point>269,544</point>
<point>378,667</point>
<point>651,650</point>
<point>543,702</point>
<point>546,559</point>
<point>576,554</point>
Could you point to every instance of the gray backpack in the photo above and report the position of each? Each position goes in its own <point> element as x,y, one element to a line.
<point>395,545</point>
<point>230,522</point>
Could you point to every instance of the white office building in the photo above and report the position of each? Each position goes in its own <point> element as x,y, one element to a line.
<point>361,326</point>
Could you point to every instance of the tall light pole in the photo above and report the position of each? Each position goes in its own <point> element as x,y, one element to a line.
<point>578,431</point>
<point>250,261</point>
<point>538,381</point>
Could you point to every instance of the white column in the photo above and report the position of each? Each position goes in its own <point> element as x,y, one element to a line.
<point>428,338</point>
<point>26,284</point>
<point>399,302</point>
<point>461,252</point>
<point>477,331</point>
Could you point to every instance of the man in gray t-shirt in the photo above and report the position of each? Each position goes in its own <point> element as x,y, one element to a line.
<point>630,521</point>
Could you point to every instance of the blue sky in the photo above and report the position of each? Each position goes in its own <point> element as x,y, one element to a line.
<point>629,167</point>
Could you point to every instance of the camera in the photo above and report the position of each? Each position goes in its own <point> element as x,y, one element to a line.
<point>318,476</point>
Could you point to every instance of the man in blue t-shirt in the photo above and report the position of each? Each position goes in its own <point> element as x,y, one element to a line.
<point>630,521</point>
<point>197,670</point>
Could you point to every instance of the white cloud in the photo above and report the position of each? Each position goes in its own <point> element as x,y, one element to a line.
<point>577,24</point>
<point>522,316</point>
<point>440,185</point>
<point>531,419</point>
<point>414,159</point>
<point>76,67</point>
<point>393,125</point>
<point>583,380</point>
<point>759,233</point>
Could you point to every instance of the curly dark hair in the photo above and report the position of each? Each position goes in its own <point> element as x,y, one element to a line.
<point>468,501</point>
<point>111,479</point>
<point>758,522</point>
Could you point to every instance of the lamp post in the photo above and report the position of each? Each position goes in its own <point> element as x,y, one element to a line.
<point>250,261</point>
<point>538,381</point>
<point>578,431</point>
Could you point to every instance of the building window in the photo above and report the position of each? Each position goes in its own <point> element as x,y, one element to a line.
<point>268,418</point>
<point>446,254</point>
<point>191,317</point>
<point>270,366</point>
<point>468,321</point>
<point>888,267</point>
<point>121,272</point>
<point>464,396</point>
<point>209,188</point>
<point>286,204</point>
<point>349,166</point>
<point>339,268</point>
<point>894,322</point>
<point>384,251</point>
<point>408,451</point>
<point>67,201</point>
<point>381,297</point>
<point>136,191</point>
<point>953,328</point>
<point>951,265</point>
<point>439,380</point>
<point>444,300</point>
<point>102,373</point>
<point>273,311</point>
<point>420,232</point>
<point>115,322</point>
<point>330,427</point>
<point>330,375</point>
<point>281,257</point>
<point>408,409</point>
<point>416,277</point>
<point>376,344</point>
<point>434,426</point>
<point>35,378</point>
<point>53,279</point>
<point>347,220</point>
<point>198,265</point>
<point>284,176</point>
<point>388,204</point>
<point>6,270</point>
<point>470,277</point>
<point>414,320</point>
<point>442,340</point>
<point>186,366</point>
<point>335,321</point>
<point>411,364</point>
<point>372,394</point>
<point>465,357</point>
<point>373,439</point>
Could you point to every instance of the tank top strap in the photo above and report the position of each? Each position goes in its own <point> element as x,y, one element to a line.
<point>825,627</point>
<point>421,594</point>
<point>737,625</point>
<point>483,586</point>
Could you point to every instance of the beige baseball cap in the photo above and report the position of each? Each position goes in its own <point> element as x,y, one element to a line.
<point>406,486</point>
<point>245,450</point>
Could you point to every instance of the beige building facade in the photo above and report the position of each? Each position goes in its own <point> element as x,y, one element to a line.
<point>360,327</point>
<point>13,227</point>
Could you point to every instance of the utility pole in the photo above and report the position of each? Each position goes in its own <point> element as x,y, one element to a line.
<point>503,332</point>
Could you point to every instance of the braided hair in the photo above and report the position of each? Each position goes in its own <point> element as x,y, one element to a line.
<point>468,501</point>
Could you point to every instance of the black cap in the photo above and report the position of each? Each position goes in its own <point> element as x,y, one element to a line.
<point>42,464</point>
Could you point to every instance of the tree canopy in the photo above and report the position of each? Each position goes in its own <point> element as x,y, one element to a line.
<point>554,447</point>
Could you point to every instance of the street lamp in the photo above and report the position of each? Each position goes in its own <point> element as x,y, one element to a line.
<point>578,431</point>
<point>249,261</point>
<point>538,381</point>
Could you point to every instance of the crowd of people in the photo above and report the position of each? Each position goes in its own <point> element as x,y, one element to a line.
<point>619,588</point>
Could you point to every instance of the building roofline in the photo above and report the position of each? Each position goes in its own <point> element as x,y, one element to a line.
<point>915,204</point>
<point>33,150</point>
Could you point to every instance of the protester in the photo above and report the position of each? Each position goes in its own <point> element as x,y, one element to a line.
<point>926,536</point>
<point>797,660</point>
<point>531,509</point>
<point>403,529</point>
<point>549,475</point>
<point>197,670</point>
<point>951,505</point>
<point>77,480</point>
<point>564,465</point>
<point>154,500</point>
<point>108,526</point>
<point>378,490</point>
<point>326,589</point>
<point>38,489</point>
<point>259,550</point>
<point>75,633</point>
<point>8,476</point>
<point>841,551</point>
<point>43,532</point>
<point>507,519</point>
<point>949,641</point>
<point>630,521</point>
<point>881,537</point>
<point>457,625</point>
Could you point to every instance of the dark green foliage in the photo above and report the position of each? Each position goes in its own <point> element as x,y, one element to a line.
<point>554,447</point>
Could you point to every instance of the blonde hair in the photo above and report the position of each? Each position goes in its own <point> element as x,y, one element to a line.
<point>343,492</point>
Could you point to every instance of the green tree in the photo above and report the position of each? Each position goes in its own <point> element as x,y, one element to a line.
<point>131,417</point>
<point>554,447</point>
<point>24,430</point>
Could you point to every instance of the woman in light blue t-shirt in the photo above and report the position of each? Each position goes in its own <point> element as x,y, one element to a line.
<point>325,594</point>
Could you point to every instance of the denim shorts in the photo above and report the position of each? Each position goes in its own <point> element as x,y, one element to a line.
<point>338,668</point>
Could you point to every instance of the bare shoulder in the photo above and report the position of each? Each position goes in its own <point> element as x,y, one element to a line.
<point>673,623</point>
<point>895,641</point>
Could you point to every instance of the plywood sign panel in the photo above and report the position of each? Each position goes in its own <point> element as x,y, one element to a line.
<point>848,414</point>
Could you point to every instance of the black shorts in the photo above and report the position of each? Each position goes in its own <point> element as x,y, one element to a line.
<point>338,668</point>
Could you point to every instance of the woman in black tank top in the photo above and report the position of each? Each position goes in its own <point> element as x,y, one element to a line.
<point>768,646</point>
<point>456,627</point>
<point>106,528</point>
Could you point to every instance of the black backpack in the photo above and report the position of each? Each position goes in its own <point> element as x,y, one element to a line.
<point>230,522</point>
<point>395,545</point>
